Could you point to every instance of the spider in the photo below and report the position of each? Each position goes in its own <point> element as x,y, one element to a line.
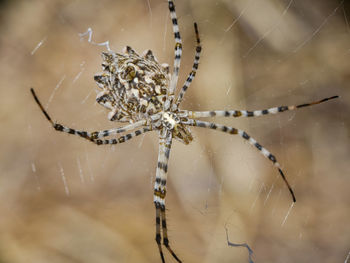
<point>139,91</point>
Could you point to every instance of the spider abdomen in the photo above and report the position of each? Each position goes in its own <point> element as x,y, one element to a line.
<point>133,87</point>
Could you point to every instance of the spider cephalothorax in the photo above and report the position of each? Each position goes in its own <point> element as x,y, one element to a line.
<point>133,87</point>
<point>173,122</point>
<point>138,90</point>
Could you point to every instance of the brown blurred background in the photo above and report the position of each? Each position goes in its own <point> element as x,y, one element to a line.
<point>63,199</point>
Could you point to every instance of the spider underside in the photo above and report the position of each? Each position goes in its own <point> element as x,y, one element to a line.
<point>139,91</point>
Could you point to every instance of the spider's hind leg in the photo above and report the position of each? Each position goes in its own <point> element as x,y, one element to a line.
<point>161,221</point>
<point>252,141</point>
<point>165,234</point>
<point>165,140</point>
<point>158,231</point>
<point>93,136</point>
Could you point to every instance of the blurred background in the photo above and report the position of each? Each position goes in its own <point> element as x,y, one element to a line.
<point>63,199</point>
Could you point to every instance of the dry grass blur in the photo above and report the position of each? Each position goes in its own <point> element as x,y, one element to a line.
<point>268,57</point>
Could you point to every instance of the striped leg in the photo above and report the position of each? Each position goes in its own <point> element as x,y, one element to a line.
<point>251,141</point>
<point>165,234</point>
<point>87,135</point>
<point>158,231</point>
<point>243,113</point>
<point>178,48</point>
<point>194,68</point>
<point>123,138</point>
<point>165,141</point>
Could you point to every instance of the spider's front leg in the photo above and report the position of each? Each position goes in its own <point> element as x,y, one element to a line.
<point>165,140</point>
<point>194,69</point>
<point>177,59</point>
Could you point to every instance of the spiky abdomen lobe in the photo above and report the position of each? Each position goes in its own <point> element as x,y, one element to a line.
<point>132,87</point>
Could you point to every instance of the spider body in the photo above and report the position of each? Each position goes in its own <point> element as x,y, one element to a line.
<point>133,87</point>
<point>139,91</point>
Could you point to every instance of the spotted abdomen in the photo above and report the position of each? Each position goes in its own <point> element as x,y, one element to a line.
<point>133,87</point>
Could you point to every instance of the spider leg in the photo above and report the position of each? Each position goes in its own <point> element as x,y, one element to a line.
<point>87,135</point>
<point>243,113</point>
<point>123,138</point>
<point>252,141</point>
<point>158,231</point>
<point>165,234</point>
<point>194,68</point>
<point>165,141</point>
<point>178,53</point>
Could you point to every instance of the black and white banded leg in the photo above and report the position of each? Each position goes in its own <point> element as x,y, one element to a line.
<point>85,134</point>
<point>177,59</point>
<point>194,68</point>
<point>165,140</point>
<point>244,113</point>
<point>122,138</point>
<point>252,141</point>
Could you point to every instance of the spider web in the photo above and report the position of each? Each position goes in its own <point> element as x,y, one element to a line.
<point>67,200</point>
